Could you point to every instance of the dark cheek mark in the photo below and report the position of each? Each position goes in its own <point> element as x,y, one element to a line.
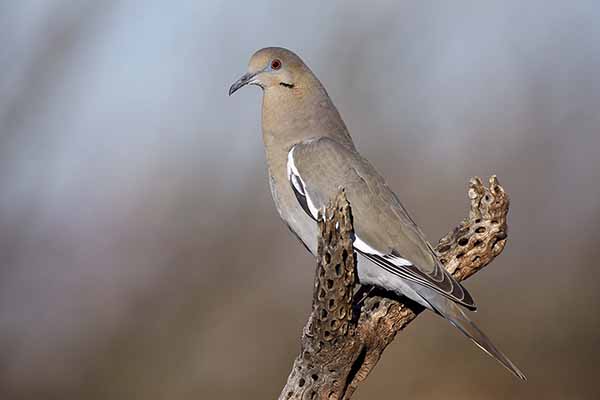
<point>287,85</point>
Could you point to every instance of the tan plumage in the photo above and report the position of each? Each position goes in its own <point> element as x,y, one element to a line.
<point>310,154</point>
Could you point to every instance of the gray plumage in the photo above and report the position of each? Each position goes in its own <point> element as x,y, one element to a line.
<point>310,155</point>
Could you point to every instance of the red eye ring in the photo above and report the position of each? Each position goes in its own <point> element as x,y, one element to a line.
<point>275,64</point>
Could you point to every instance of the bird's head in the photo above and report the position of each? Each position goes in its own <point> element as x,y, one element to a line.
<point>272,67</point>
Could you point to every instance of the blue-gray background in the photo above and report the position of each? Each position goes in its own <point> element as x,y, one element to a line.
<point>141,256</point>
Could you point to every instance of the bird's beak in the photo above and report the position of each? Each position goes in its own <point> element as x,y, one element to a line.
<point>243,81</point>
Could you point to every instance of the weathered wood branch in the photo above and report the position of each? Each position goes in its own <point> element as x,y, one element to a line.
<point>346,334</point>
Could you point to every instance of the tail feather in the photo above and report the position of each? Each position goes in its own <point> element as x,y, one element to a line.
<point>459,319</point>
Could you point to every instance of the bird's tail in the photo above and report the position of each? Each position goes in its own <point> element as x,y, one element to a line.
<point>453,313</point>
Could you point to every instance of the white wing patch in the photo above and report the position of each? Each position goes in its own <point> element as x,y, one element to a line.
<point>298,184</point>
<point>398,261</point>
<point>364,247</point>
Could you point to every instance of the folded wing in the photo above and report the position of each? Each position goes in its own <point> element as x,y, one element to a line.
<point>385,233</point>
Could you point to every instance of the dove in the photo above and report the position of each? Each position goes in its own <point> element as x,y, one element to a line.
<point>310,155</point>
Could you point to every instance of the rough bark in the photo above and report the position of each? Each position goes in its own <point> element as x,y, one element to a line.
<point>346,333</point>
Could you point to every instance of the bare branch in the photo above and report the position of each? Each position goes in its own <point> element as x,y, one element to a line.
<point>345,335</point>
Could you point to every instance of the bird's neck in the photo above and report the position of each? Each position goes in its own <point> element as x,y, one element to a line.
<point>291,115</point>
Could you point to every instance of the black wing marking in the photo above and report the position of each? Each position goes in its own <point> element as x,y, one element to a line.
<point>440,280</point>
<point>300,193</point>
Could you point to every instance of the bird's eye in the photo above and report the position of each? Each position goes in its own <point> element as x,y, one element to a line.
<point>275,64</point>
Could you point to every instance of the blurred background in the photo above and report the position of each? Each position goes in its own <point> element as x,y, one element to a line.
<point>142,257</point>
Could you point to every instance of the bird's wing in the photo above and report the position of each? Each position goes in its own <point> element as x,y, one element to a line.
<point>385,233</point>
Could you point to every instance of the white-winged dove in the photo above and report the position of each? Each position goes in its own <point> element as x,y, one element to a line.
<point>310,155</point>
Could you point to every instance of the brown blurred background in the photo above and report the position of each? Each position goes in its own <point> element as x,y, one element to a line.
<point>141,255</point>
